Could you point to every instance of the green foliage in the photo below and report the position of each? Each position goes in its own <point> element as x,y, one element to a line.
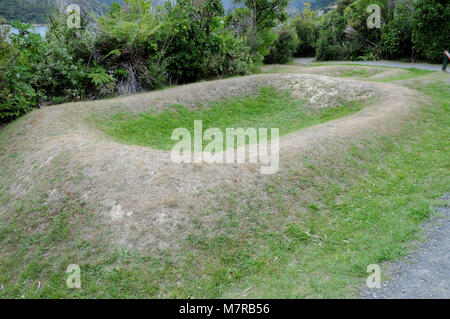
<point>345,34</point>
<point>133,47</point>
<point>18,92</point>
<point>104,83</point>
<point>7,55</point>
<point>25,10</point>
<point>284,47</point>
<point>307,27</point>
<point>197,47</point>
<point>396,38</point>
<point>99,76</point>
<point>181,42</point>
<point>266,12</point>
<point>431,31</point>
<point>410,29</point>
<point>254,21</point>
<point>61,71</point>
<point>136,46</point>
<point>328,49</point>
<point>42,71</point>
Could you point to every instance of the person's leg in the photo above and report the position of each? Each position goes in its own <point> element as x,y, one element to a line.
<point>444,65</point>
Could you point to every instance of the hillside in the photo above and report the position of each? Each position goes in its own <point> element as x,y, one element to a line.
<point>32,11</point>
<point>36,11</point>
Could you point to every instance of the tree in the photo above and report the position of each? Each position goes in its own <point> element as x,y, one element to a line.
<point>431,28</point>
<point>254,22</point>
<point>396,37</point>
<point>284,47</point>
<point>307,27</point>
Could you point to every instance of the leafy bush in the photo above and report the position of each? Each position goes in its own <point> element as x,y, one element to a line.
<point>284,47</point>
<point>197,48</point>
<point>7,54</point>
<point>327,49</point>
<point>253,23</point>
<point>136,46</point>
<point>307,27</point>
<point>17,91</point>
<point>431,28</point>
<point>396,38</point>
<point>103,82</point>
<point>410,29</point>
<point>59,75</point>
<point>238,58</point>
<point>133,47</point>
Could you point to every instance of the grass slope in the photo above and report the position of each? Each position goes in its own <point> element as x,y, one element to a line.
<point>355,207</point>
<point>269,108</point>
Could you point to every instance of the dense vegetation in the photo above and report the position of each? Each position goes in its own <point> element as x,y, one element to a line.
<point>410,29</point>
<point>32,11</point>
<point>38,11</point>
<point>136,46</point>
<point>133,47</point>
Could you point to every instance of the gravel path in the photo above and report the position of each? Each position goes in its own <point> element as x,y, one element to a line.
<point>426,272</point>
<point>422,66</point>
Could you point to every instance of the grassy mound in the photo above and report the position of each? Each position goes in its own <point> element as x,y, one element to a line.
<point>309,231</point>
<point>268,108</point>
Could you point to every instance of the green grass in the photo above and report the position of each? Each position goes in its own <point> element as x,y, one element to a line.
<point>313,236</point>
<point>363,206</point>
<point>412,73</point>
<point>360,73</point>
<point>269,108</point>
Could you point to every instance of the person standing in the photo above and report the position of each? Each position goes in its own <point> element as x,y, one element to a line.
<point>446,58</point>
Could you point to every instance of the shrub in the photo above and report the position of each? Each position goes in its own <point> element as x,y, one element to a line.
<point>284,47</point>
<point>7,54</point>
<point>238,59</point>
<point>396,38</point>
<point>59,74</point>
<point>18,94</point>
<point>307,28</point>
<point>431,28</point>
<point>327,49</point>
<point>253,22</point>
<point>133,47</point>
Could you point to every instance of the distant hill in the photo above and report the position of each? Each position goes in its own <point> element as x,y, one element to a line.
<point>36,11</point>
<point>32,11</point>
